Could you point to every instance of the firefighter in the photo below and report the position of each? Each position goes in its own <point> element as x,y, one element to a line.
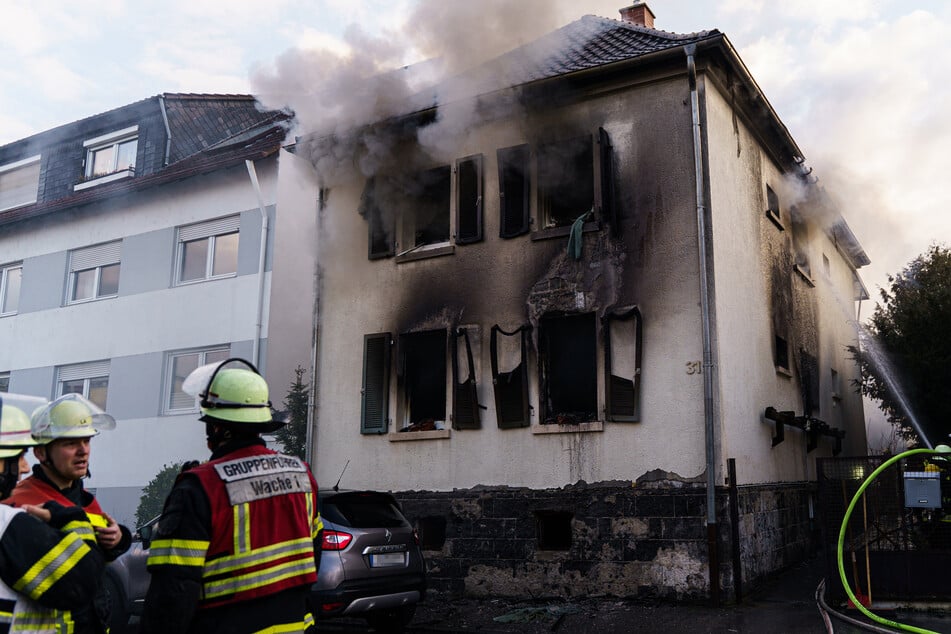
<point>45,572</point>
<point>62,429</point>
<point>234,550</point>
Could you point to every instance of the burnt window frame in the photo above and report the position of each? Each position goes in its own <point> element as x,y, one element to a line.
<point>514,166</point>
<point>405,347</point>
<point>465,394</point>
<point>381,229</point>
<point>545,359</point>
<point>420,198</point>
<point>375,391</point>
<point>501,381</point>
<point>781,354</point>
<point>614,390</point>
<point>549,181</point>
<point>773,211</point>
<point>464,209</point>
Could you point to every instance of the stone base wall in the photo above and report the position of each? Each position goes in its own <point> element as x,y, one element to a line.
<point>605,539</point>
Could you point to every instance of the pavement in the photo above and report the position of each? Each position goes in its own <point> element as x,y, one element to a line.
<point>786,604</point>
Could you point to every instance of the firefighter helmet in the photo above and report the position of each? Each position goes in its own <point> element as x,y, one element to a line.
<point>229,393</point>
<point>69,416</point>
<point>15,422</point>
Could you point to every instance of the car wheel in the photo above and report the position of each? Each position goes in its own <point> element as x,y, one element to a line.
<point>392,620</point>
<point>118,608</point>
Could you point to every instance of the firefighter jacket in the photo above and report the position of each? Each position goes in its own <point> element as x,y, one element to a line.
<point>234,549</point>
<point>46,571</point>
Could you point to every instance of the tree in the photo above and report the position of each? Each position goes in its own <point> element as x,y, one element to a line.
<point>293,435</point>
<point>153,495</point>
<point>906,360</point>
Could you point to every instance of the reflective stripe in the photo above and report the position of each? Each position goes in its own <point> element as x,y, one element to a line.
<point>258,557</point>
<point>318,526</point>
<point>300,626</point>
<point>97,520</point>
<point>242,528</point>
<point>52,566</point>
<point>178,552</point>
<point>83,529</point>
<point>44,622</point>
<point>259,578</point>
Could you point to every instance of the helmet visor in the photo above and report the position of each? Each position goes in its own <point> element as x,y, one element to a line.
<point>70,416</point>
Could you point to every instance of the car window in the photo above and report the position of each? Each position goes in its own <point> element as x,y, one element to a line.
<point>363,510</point>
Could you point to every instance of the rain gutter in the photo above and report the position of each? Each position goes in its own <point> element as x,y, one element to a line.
<point>709,367</point>
<point>259,321</point>
<point>168,130</point>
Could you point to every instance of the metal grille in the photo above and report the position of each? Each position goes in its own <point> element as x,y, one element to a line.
<point>890,552</point>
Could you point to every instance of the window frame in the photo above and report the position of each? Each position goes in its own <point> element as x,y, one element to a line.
<point>424,199</point>
<point>545,359</point>
<point>4,287</point>
<point>465,209</point>
<point>111,141</point>
<point>515,190</point>
<point>4,381</point>
<point>210,230</point>
<point>22,165</point>
<point>169,383</point>
<point>546,182</point>
<point>94,258</point>
<point>405,348</point>
<point>85,372</point>
<point>612,388</point>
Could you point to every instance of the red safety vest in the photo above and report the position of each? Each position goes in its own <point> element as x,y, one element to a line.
<point>32,490</point>
<point>263,514</point>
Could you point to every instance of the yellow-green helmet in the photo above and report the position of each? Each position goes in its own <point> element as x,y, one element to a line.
<point>69,416</point>
<point>15,423</point>
<point>231,394</point>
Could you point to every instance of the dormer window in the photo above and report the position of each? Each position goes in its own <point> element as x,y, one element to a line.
<point>110,156</point>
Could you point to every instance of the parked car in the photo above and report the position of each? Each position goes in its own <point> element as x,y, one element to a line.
<point>371,565</point>
<point>126,579</point>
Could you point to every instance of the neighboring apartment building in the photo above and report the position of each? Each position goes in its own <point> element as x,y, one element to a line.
<point>130,250</point>
<point>565,343</point>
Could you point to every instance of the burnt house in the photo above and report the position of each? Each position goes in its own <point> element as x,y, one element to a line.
<point>594,337</point>
<point>132,250</point>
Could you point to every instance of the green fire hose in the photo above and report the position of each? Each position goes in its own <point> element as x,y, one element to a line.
<point>940,449</point>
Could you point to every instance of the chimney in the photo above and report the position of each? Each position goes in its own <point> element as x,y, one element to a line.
<point>638,13</point>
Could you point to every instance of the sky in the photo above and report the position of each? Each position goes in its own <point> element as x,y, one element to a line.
<point>862,85</point>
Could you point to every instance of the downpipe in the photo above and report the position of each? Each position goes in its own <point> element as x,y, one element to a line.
<point>259,320</point>
<point>708,364</point>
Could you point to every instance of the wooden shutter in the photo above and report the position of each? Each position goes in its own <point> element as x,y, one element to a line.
<point>608,208</point>
<point>465,399</point>
<point>469,199</point>
<point>374,408</point>
<point>623,386</point>
<point>511,387</point>
<point>514,190</point>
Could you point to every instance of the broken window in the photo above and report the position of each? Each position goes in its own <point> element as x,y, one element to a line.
<point>622,358</point>
<point>569,378</point>
<point>772,208</point>
<point>510,376</point>
<point>425,220</point>
<point>606,155</point>
<point>422,379</point>
<point>465,401</point>
<point>469,199</point>
<point>809,375</point>
<point>554,529</point>
<point>513,190</point>
<point>781,353</point>
<point>374,407</point>
<point>565,181</point>
<point>380,224</point>
<point>800,239</point>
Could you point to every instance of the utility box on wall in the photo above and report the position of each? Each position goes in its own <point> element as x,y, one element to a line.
<point>923,489</point>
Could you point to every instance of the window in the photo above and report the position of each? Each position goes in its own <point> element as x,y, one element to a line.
<point>553,529</point>
<point>781,353</point>
<point>380,225</point>
<point>568,370</point>
<point>622,358</point>
<point>374,405</point>
<point>425,220</point>
<point>208,250</point>
<point>178,366</point>
<point>4,381</point>
<point>772,208</point>
<point>10,277</point>
<point>19,183</point>
<point>89,379</point>
<point>469,199</point>
<point>421,379</point>
<point>509,352</point>
<point>836,386</point>
<point>565,181</point>
<point>514,188</point>
<point>94,272</point>
<point>111,153</point>
<point>465,399</point>
<point>809,375</point>
<point>800,239</point>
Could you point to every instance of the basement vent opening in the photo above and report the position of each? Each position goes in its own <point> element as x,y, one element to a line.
<point>567,351</point>
<point>554,529</point>
<point>432,532</point>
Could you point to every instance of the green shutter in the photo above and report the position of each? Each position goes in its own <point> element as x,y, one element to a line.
<point>374,408</point>
<point>465,399</point>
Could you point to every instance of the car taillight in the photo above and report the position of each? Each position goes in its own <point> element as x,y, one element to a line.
<point>330,607</point>
<point>335,540</point>
<point>416,536</point>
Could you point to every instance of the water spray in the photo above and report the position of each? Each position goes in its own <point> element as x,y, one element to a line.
<point>943,452</point>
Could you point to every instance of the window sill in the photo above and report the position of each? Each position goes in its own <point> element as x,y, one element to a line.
<point>426,251</point>
<point>86,300</point>
<point>805,275</point>
<point>773,216</point>
<point>226,276</point>
<point>781,371</point>
<point>18,205</point>
<point>433,434</point>
<point>562,232</point>
<point>108,178</point>
<point>568,429</point>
